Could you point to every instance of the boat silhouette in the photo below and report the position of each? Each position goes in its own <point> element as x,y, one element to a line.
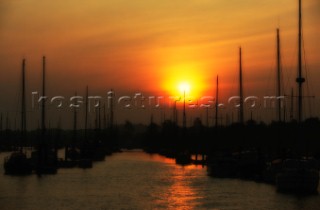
<point>298,176</point>
<point>45,157</point>
<point>18,163</point>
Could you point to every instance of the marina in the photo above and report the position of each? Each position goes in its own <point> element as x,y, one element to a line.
<point>170,109</point>
<point>122,182</point>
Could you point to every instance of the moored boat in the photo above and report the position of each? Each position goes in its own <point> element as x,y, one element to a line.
<point>17,164</point>
<point>298,176</point>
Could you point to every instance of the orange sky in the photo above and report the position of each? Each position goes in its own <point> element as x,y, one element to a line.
<point>149,45</point>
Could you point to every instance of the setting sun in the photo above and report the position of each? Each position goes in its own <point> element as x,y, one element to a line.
<point>184,78</point>
<point>184,87</point>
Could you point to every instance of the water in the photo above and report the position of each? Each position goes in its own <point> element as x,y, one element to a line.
<point>135,180</point>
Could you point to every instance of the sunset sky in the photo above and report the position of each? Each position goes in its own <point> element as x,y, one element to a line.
<point>152,46</point>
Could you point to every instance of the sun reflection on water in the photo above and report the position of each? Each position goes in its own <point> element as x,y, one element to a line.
<point>178,192</point>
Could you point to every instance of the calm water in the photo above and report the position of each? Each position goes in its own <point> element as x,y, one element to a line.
<point>135,180</point>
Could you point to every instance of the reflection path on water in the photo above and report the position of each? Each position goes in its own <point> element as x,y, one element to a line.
<point>136,180</point>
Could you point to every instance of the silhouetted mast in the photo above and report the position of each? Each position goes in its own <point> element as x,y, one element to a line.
<point>241,88</point>
<point>86,114</point>
<point>111,109</point>
<point>99,116</point>
<point>174,113</point>
<point>43,117</point>
<point>23,102</point>
<point>74,124</point>
<point>300,80</point>
<point>104,117</point>
<point>278,77</point>
<point>184,110</point>
<point>217,101</point>
<point>42,153</point>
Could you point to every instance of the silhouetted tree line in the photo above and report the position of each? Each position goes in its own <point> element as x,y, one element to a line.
<point>277,139</point>
<point>11,139</point>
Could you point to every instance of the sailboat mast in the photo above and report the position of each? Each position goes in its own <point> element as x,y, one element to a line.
<point>104,117</point>
<point>42,156</point>
<point>184,122</point>
<point>300,80</point>
<point>43,117</point>
<point>217,101</point>
<point>86,114</point>
<point>174,113</point>
<point>23,100</point>
<point>241,87</point>
<point>23,106</point>
<point>278,76</point>
<point>99,116</point>
<point>111,109</point>
<point>74,124</point>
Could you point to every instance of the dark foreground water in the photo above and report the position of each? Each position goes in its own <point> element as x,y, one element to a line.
<point>135,180</point>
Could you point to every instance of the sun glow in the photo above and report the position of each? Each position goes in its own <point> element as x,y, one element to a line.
<point>184,79</point>
<point>184,87</point>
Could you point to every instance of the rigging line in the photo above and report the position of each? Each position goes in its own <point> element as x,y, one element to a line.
<point>287,80</point>
<point>289,72</point>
